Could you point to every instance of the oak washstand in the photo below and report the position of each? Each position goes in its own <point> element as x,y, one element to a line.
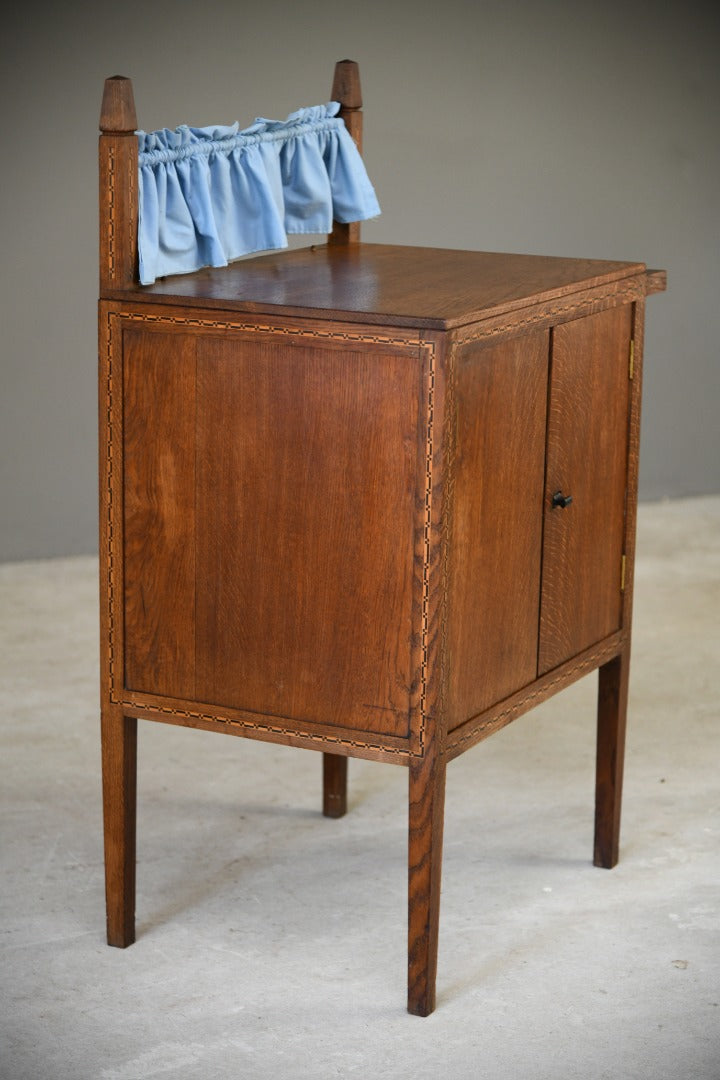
<point>370,500</point>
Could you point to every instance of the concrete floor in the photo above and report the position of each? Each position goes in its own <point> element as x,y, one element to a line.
<point>271,941</point>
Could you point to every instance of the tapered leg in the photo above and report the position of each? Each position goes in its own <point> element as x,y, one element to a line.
<point>334,785</point>
<point>119,770</point>
<point>426,806</point>
<point>612,713</point>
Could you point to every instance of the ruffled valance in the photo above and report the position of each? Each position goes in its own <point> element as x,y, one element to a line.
<point>208,195</point>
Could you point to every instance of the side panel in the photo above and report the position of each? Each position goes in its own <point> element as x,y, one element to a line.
<point>587,460</point>
<point>306,460</point>
<point>268,497</point>
<point>501,395</point>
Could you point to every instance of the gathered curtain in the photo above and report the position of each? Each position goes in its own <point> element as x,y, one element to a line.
<point>209,195</point>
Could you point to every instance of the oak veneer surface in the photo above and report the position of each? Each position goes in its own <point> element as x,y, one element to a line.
<point>587,453</point>
<point>411,286</point>
<point>327,512</point>
<point>159,512</point>
<point>270,524</point>
<point>497,521</point>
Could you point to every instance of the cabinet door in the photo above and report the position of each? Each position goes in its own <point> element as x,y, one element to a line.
<point>586,460</point>
<point>497,521</point>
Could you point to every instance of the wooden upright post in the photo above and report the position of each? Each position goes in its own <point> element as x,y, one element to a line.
<point>614,676</point>
<point>118,258</point>
<point>346,90</point>
<point>118,185</point>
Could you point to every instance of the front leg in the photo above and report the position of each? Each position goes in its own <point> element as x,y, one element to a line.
<point>426,813</point>
<point>119,778</point>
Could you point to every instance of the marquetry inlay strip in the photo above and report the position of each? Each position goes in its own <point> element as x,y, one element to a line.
<point>273,726</point>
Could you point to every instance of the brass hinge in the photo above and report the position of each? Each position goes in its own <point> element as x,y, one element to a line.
<point>622,575</point>
<point>632,359</point>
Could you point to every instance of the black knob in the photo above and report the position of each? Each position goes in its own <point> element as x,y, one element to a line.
<point>561,500</point>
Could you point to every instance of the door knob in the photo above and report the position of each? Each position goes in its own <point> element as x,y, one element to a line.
<point>561,500</point>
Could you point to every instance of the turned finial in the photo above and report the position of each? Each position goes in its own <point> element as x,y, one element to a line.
<point>117,114</point>
<point>346,85</point>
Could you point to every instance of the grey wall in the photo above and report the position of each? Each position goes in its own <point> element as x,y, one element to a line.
<point>567,128</point>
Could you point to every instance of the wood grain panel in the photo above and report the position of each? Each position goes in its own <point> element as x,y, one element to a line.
<point>306,503</point>
<point>497,523</point>
<point>391,284</point>
<point>587,459</point>
<point>159,512</point>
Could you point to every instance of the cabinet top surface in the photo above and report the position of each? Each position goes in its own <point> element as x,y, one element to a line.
<point>385,284</point>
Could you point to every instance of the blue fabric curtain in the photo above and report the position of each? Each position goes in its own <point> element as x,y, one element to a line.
<point>208,195</point>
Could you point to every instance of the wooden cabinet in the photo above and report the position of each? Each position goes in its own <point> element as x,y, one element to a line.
<point>369,500</point>
<point>279,551</point>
